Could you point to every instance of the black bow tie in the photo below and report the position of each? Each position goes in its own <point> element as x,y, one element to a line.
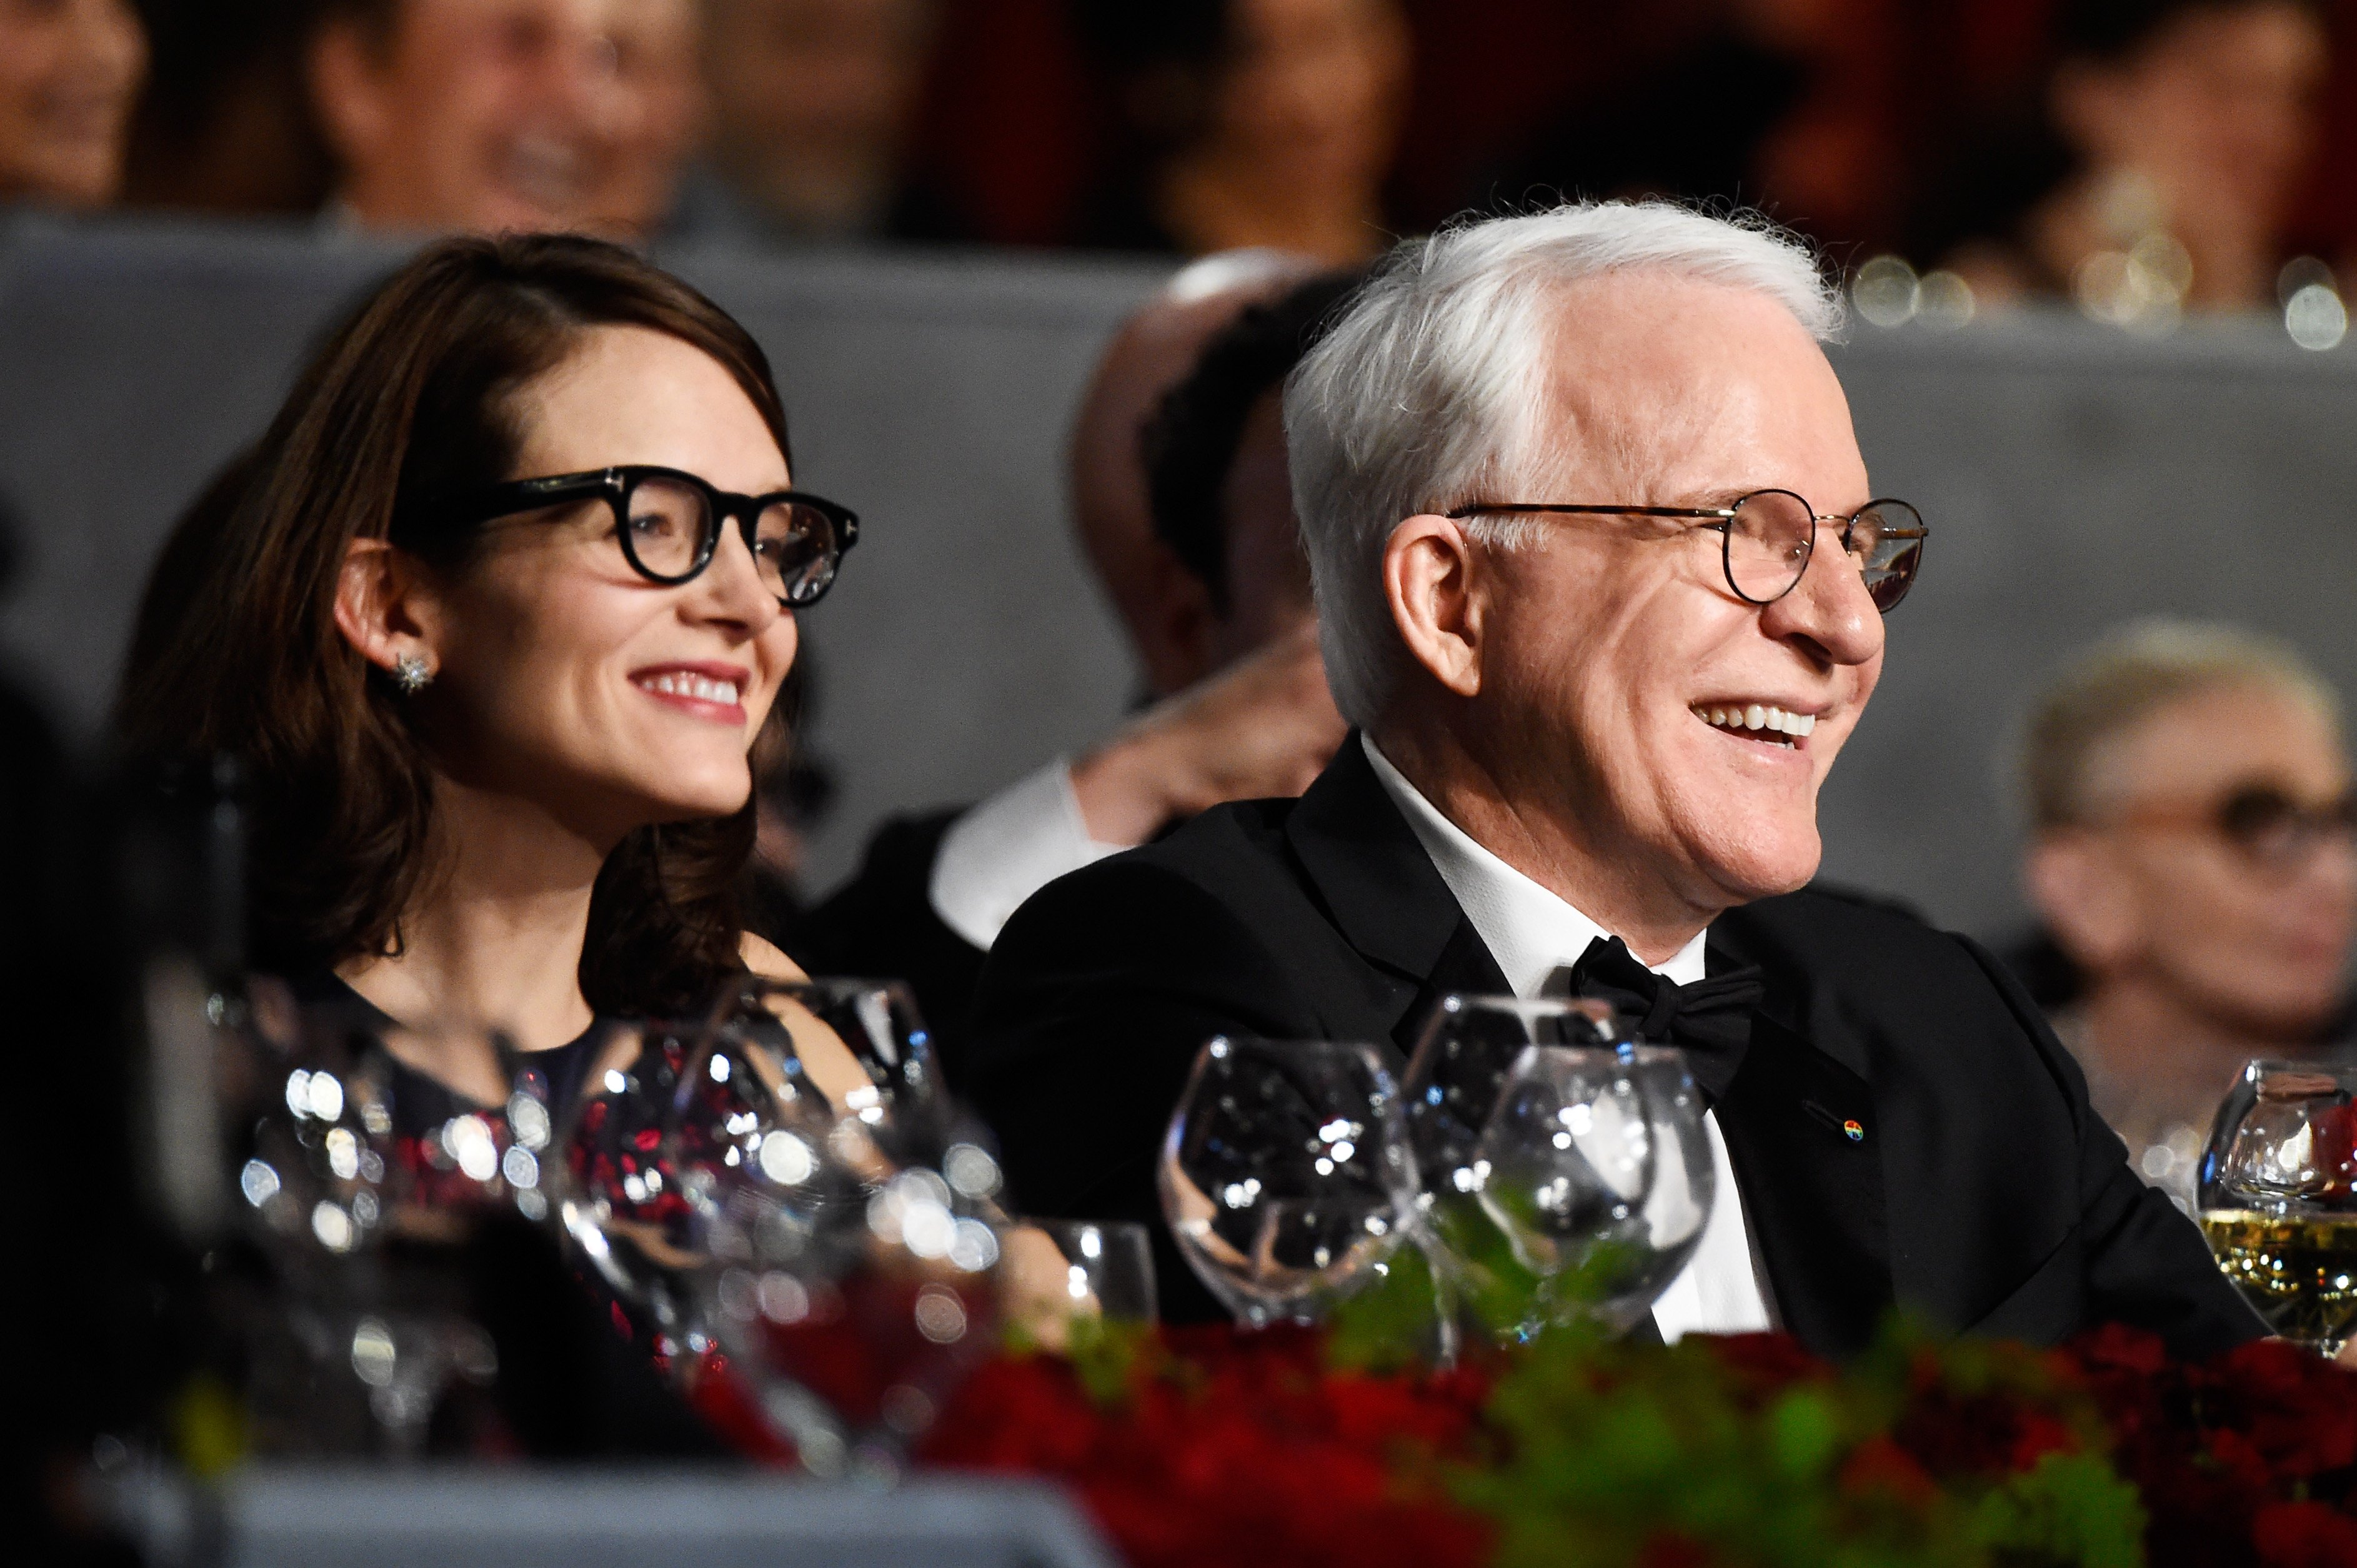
<point>1710,1020</point>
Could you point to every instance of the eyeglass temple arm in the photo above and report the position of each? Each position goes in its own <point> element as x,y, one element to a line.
<point>1460,513</point>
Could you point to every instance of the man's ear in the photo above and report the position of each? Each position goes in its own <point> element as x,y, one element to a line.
<point>1428,568</point>
<point>345,82</point>
<point>386,608</point>
<point>2077,886</point>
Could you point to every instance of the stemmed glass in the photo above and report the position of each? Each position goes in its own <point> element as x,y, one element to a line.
<point>866,1048</point>
<point>1596,1166</point>
<point>751,1184</point>
<point>2278,1197</point>
<point>1060,1278</point>
<point>1455,1079</point>
<point>360,1151</point>
<point>1285,1175</point>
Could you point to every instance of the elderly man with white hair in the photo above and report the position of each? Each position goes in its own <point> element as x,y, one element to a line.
<point>1601,653</point>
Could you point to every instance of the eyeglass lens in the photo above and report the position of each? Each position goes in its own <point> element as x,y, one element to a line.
<point>2271,827</point>
<point>1771,536</point>
<point>671,526</point>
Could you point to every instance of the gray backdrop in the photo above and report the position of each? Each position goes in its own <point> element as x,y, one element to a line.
<point>2073,477</point>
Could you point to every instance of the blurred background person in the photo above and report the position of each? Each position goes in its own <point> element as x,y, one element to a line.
<point>69,71</point>
<point>1248,122</point>
<point>225,125</point>
<point>814,104</point>
<point>2156,172</point>
<point>1739,70</point>
<point>506,115</point>
<point>2192,859</point>
<point>1206,572</point>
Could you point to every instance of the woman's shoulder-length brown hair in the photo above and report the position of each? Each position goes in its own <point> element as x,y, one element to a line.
<point>238,652</point>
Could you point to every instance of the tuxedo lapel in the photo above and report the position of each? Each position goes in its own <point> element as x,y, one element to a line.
<point>1804,1137</point>
<point>1382,896</point>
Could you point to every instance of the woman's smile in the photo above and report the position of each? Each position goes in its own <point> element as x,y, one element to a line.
<point>710,691</point>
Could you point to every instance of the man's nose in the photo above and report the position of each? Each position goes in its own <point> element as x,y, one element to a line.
<point>1830,606</point>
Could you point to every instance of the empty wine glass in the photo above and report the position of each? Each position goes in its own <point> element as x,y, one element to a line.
<point>1056,1275</point>
<point>1463,1057</point>
<point>1595,1165</point>
<point>1286,1175</point>
<point>864,1046</point>
<point>2278,1197</point>
<point>362,1151</point>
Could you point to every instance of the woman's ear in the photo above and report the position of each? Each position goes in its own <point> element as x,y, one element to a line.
<point>385,608</point>
<point>2085,897</point>
<point>1428,582</point>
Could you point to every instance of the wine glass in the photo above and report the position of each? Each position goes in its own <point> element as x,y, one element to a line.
<point>849,1300</point>
<point>361,1152</point>
<point>1463,1057</point>
<point>2278,1197</point>
<point>730,1182</point>
<point>864,1047</point>
<point>1286,1175</point>
<point>1057,1275</point>
<point>1595,1165</point>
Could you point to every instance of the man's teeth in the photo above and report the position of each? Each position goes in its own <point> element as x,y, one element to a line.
<point>696,686</point>
<point>1758,716</point>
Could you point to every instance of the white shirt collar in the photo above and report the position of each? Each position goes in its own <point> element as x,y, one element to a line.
<point>1528,929</point>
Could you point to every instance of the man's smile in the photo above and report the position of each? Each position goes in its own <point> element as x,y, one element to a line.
<point>1768,723</point>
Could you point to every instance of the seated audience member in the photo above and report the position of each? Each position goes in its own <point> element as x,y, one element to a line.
<point>1548,470</point>
<point>1740,70</point>
<point>69,72</point>
<point>494,116</point>
<point>1217,601</point>
<point>813,104</point>
<point>1248,122</point>
<point>492,617</point>
<point>225,123</point>
<point>2157,171</point>
<point>2192,859</point>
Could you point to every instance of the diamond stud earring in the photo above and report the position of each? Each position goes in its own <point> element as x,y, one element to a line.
<point>411,674</point>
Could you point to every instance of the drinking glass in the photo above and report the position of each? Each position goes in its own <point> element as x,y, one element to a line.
<point>1595,1165</point>
<point>847,1304</point>
<point>865,1046</point>
<point>2278,1197</point>
<point>361,1151</point>
<point>735,1182</point>
<point>1285,1175</point>
<point>1056,1275</point>
<point>1454,1077</point>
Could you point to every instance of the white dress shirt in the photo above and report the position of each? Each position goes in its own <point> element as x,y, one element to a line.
<point>1532,933</point>
<point>1007,848</point>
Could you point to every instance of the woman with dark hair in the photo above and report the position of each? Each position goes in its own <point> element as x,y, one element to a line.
<point>492,624</point>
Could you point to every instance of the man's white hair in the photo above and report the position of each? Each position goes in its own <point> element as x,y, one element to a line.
<point>1431,386</point>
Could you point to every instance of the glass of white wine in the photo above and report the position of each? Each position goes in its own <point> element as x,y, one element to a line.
<point>2278,1197</point>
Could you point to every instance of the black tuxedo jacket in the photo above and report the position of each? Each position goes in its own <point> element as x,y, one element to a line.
<point>1984,1195</point>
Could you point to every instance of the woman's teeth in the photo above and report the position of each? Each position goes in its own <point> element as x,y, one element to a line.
<point>1758,716</point>
<point>700,687</point>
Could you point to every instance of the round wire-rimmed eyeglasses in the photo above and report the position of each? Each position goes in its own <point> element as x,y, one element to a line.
<point>668,522</point>
<point>1768,537</point>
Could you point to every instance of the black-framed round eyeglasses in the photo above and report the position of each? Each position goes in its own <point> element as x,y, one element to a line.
<point>668,522</point>
<point>1768,537</point>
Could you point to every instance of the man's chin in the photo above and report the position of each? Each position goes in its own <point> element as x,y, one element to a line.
<point>1763,870</point>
